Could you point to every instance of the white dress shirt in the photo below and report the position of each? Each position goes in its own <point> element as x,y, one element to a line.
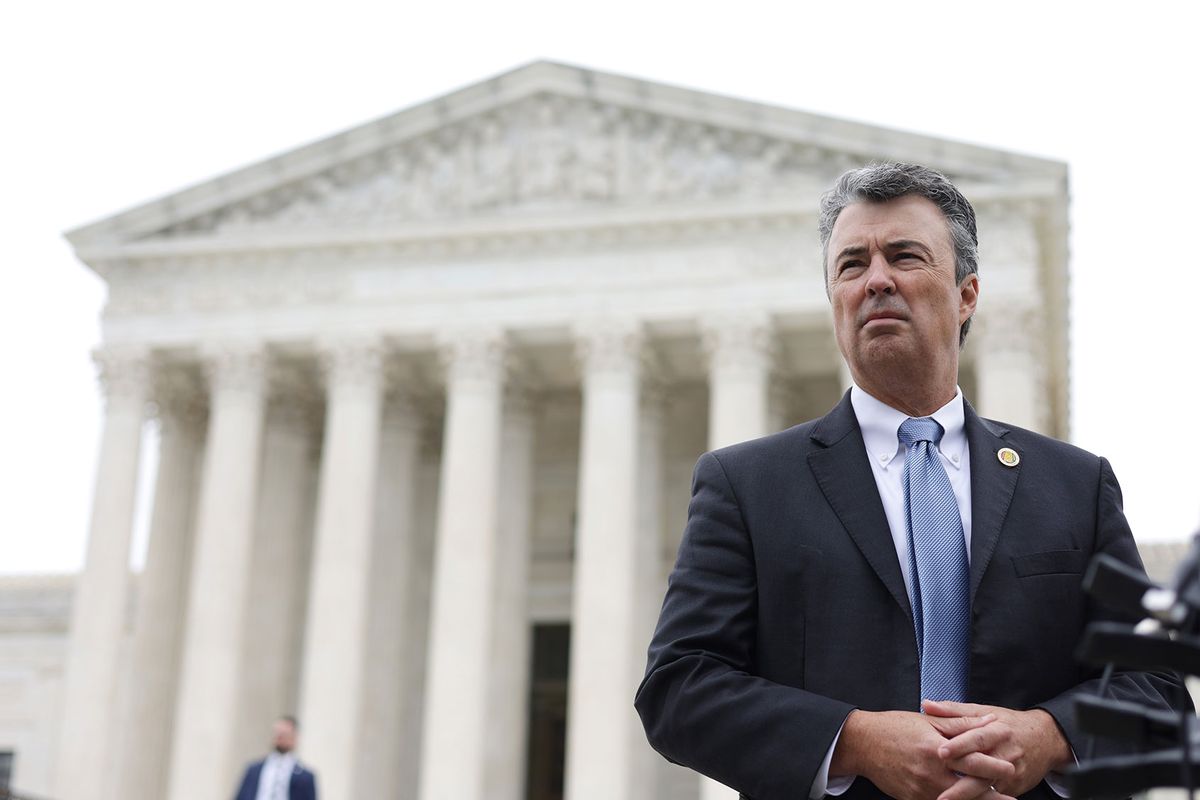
<point>880,424</point>
<point>276,776</point>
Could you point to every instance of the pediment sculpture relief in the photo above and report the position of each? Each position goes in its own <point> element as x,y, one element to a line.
<point>545,152</point>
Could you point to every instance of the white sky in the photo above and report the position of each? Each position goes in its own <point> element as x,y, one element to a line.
<point>108,105</point>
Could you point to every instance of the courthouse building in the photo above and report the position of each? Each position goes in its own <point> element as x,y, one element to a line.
<point>429,394</point>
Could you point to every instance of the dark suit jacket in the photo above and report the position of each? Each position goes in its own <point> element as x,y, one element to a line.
<point>787,608</point>
<point>303,785</point>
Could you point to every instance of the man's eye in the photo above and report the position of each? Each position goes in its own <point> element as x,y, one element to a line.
<point>848,265</point>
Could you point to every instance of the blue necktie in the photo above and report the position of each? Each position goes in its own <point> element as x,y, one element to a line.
<point>937,557</point>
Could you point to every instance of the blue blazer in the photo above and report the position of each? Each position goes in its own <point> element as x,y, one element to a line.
<point>303,785</point>
<point>787,609</point>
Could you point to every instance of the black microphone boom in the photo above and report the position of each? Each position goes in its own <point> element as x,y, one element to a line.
<point>1166,639</point>
<point>1117,585</point>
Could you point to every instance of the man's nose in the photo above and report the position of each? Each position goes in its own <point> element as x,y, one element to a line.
<point>879,276</point>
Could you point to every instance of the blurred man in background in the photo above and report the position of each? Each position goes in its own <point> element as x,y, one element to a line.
<point>279,776</point>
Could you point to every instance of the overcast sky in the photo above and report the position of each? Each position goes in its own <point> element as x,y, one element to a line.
<point>108,105</point>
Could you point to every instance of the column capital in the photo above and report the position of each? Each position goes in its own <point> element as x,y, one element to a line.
<point>235,366</point>
<point>743,342</point>
<point>1012,380</point>
<point>357,361</point>
<point>123,370</point>
<point>178,396</point>
<point>473,354</point>
<point>609,346</point>
<point>1010,331</point>
<point>654,401</point>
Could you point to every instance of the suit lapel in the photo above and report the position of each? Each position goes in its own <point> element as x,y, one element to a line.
<point>840,467</point>
<point>992,487</point>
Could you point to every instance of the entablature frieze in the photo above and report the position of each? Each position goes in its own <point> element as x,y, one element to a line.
<point>173,280</point>
<point>546,233</point>
<point>199,293</point>
<point>547,230</point>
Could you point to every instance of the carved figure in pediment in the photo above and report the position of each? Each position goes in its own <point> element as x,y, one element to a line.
<point>437,180</point>
<point>309,200</point>
<point>592,177</point>
<point>652,153</point>
<point>763,165</point>
<point>544,153</point>
<point>685,169</point>
<point>544,150</point>
<point>713,171</point>
<point>386,192</point>
<point>493,167</point>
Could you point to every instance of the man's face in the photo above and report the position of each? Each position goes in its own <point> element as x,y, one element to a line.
<point>896,307</point>
<point>283,736</point>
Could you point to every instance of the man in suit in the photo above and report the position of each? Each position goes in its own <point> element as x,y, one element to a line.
<point>279,776</point>
<point>838,579</point>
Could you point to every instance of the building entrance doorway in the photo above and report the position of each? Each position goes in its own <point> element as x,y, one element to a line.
<point>547,747</point>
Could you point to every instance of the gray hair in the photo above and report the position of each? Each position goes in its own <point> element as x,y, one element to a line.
<point>879,183</point>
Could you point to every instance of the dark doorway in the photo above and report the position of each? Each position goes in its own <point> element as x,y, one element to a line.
<point>6,770</point>
<point>547,749</point>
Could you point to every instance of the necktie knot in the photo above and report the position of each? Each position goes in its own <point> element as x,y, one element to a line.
<point>920,429</point>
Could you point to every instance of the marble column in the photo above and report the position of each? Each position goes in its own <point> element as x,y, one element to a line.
<point>386,767</point>
<point>1009,369</point>
<point>782,401</point>
<point>279,563</point>
<point>739,352</point>
<point>162,597</point>
<point>202,762</point>
<point>508,694</point>
<point>98,608</point>
<point>601,736</point>
<point>419,598</point>
<point>335,650</point>
<point>650,584</point>
<point>454,750</point>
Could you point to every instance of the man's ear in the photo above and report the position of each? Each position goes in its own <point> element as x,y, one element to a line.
<point>968,297</point>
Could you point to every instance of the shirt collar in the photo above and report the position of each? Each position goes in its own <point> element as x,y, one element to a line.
<point>284,758</point>
<point>880,424</point>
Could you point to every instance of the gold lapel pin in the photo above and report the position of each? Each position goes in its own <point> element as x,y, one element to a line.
<point>1008,457</point>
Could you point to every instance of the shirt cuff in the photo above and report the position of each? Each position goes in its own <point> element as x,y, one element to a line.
<point>824,785</point>
<point>1057,781</point>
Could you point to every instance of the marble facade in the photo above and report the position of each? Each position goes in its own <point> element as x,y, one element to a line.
<point>441,378</point>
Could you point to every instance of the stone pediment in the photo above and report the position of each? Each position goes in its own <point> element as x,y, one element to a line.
<point>543,153</point>
<point>546,139</point>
